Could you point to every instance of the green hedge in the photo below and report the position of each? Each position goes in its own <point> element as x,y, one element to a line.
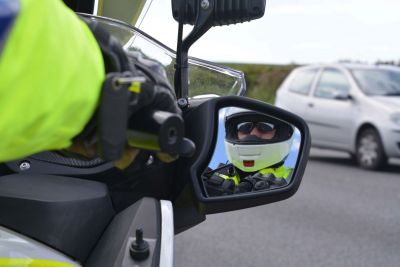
<point>263,80</point>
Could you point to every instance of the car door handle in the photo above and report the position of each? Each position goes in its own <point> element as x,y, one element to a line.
<point>311,105</point>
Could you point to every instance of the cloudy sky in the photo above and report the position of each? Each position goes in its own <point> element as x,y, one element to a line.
<point>301,31</point>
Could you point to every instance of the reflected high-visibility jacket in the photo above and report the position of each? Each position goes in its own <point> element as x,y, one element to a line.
<point>279,172</point>
<point>51,72</point>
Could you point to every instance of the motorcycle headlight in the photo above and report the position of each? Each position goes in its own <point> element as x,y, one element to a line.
<point>395,118</point>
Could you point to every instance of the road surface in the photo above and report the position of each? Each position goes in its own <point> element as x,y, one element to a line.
<point>341,216</point>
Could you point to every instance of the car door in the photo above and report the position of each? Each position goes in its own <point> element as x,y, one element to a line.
<point>295,92</point>
<point>330,110</point>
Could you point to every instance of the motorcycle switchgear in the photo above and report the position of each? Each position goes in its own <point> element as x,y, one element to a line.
<point>254,141</point>
<point>133,95</point>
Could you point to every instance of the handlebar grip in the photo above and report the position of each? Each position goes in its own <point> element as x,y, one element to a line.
<point>156,130</point>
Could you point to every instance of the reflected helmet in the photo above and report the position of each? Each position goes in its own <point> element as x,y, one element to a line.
<point>255,141</point>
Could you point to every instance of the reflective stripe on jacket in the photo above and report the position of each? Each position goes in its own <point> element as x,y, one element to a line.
<point>280,172</point>
<point>235,178</point>
<point>51,72</point>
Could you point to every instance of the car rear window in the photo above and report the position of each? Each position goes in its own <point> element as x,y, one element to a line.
<point>303,81</point>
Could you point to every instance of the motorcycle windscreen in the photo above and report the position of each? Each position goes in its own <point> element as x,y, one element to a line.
<point>205,78</point>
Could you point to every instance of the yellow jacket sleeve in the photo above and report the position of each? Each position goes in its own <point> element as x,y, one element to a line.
<point>51,71</point>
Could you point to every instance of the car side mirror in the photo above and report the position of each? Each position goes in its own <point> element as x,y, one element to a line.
<point>249,153</point>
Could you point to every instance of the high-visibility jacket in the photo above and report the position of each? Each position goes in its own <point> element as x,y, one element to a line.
<point>279,172</point>
<point>51,72</point>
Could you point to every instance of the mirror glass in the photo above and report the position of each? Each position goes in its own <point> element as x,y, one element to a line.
<point>254,152</point>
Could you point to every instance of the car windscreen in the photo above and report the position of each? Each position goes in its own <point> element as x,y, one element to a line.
<point>382,82</point>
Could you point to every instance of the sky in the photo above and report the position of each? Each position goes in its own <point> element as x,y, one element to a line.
<point>294,31</point>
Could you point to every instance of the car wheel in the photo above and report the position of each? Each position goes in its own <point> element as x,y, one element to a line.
<point>353,157</point>
<point>370,153</point>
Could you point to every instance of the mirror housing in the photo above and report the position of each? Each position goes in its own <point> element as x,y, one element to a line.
<point>201,126</point>
<point>221,12</point>
<point>204,14</point>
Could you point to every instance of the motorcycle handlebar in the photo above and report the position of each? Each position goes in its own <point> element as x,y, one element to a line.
<point>159,131</point>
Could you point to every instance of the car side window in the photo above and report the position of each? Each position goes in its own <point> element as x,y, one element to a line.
<point>303,81</point>
<point>332,83</point>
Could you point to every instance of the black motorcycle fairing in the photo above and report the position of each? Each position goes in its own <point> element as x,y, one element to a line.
<point>147,177</point>
<point>54,163</point>
<point>65,213</point>
<point>188,211</point>
<point>113,247</point>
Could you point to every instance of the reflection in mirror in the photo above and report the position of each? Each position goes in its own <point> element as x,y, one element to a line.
<point>254,152</point>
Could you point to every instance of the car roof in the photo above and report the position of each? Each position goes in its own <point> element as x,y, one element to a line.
<point>350,66</point>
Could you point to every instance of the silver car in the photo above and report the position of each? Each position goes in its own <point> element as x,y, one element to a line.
<point>352,108</point>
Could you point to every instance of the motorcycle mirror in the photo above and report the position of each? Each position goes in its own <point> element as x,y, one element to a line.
<point>204,14</point>
<point>254,152</point>
<point>220,12</point>
<point>251,153</point>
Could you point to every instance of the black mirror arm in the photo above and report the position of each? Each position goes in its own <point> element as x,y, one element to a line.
<point>202,25</point>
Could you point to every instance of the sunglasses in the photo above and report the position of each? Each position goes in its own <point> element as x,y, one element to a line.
<point>247,127</point>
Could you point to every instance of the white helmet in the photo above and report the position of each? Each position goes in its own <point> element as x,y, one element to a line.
<point>249,152</point>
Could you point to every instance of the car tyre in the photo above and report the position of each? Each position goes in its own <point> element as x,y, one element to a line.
<point>353,157</point>
<point>370,153</point>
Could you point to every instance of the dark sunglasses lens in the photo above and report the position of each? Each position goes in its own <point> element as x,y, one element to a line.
<point>245,127</point>
<point>265,127</point>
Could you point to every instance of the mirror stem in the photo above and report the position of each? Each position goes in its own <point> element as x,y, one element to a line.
<point>179,62</point>
<point>201,26</point>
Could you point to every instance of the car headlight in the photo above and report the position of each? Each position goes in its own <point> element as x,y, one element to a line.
<point>395,118</point>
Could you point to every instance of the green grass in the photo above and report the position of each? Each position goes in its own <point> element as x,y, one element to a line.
<point>263,80</point>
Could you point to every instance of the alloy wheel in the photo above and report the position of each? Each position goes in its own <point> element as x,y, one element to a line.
<point>370,154</point>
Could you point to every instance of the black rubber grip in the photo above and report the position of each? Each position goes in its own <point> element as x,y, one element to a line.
<point>156,130</point>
